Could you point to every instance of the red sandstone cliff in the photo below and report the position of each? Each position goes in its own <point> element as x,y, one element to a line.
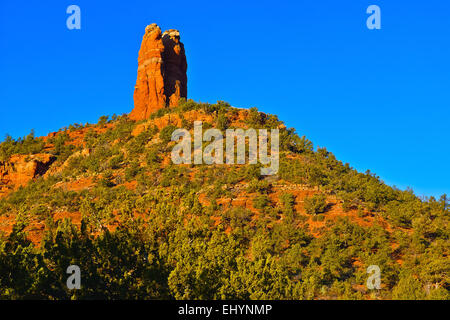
<point>20,169</point>
<point>161,79</point>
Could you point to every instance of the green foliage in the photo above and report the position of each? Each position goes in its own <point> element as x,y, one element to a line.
<point>116,162</point>
<point>132,171</point>
<point>255,118</point>
<point>103,120</point>
<point>315,204</point>
<point>260,186</point>
<point>222,122</point>
<point>288,201</point>
<point>61,149</point>
<point>182,233</point>
<point>408,288</point>
<point>26,145</point>
<point>107,179</point>
<point>152,156</point>
<point>290,141</point>
<point>138,144</point>
<point>261,202</point>
<point>166,133</point>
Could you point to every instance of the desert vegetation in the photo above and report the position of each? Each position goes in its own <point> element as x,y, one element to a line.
<point>140,227</point>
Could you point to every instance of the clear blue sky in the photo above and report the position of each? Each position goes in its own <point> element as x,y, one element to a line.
<point>378,99</point>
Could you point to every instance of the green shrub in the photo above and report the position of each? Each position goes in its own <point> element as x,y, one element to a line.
<point>107,179</point>
<point>260,186</point>
<point>27,145</point>
<point>261,201</point>
<point>288,201</point>
<point>166,133</point>
<point>152,156</point>
<point>103,120</point>
<point>132,171</point>
<point>116,161</point>
<point>316,204</point>
<point>222,122</point>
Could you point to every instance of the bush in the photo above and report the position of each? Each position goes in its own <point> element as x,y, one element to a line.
<point>260,186</point>
<point>261,202</point>
<point>222,122</point>
<point>116,161</point>
<point>316,204</point>
<point>103,120</point>
<point>288,201</point>
<point>166,133</point>
<point>255,118</point>
<point>152,156</point>
<point>132,171</point>
<point>26,145</point>
<point>106,180</point>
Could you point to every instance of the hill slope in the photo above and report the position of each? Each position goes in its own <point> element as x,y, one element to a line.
<point>107,198</point>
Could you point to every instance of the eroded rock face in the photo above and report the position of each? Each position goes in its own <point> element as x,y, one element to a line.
<point>161,79</point>
<point>20,169</point>
<point>175,67</point>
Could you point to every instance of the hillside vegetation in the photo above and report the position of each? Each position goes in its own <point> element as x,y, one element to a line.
<point>140,227</point>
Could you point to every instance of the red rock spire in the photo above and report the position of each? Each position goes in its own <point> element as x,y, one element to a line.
<point>161,79</point>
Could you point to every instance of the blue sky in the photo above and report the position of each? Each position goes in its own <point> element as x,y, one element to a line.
<point>378,99</point>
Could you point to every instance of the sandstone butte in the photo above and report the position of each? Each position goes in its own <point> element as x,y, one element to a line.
<point>161,79</point>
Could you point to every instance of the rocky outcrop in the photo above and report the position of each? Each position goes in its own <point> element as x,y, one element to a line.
<point>20,169</point>
<point>175,67</point>
<point>149,90</point>
<point>161,79</point>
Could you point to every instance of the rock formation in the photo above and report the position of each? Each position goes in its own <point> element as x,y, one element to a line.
<point>161,79</point>
<point>20,169</point>
<point>175,78</point>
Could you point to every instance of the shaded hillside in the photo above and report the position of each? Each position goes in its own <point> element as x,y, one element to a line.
<point>109,199</point>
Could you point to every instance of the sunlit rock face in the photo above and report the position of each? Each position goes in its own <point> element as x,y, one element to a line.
<point>162,66</point>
